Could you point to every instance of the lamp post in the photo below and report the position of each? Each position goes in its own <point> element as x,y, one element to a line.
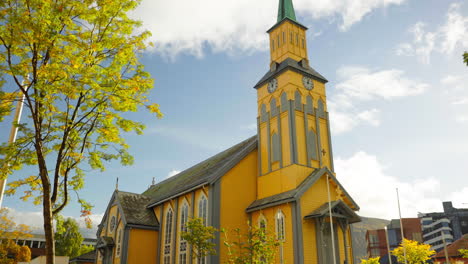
<point>388,246</point>
<point>401,227</point>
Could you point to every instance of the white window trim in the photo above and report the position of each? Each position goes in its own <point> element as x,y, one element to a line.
<point>168,236</point>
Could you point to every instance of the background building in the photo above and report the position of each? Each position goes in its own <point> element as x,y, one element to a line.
<point>376,241</point>
<point>450,225</point>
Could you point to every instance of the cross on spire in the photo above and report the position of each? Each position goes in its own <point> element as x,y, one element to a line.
<point>286,10</point>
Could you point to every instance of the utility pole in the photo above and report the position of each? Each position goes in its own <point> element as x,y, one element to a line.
<point>401,227</point>
<point>388,246</point>
<point>12,138</point>
<point>331,220</point>
<point>445,247</point>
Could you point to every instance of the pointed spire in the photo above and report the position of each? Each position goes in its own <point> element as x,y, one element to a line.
<point>286,10</point>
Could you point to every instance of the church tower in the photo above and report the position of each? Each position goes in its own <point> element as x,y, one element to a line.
<point>293,124</point>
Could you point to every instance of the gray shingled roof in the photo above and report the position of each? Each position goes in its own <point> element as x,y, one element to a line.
<point>134,209</point>
<point>204,172</point>
<point>292,65</point>
<point>324,210</point>
<point>86,257</point>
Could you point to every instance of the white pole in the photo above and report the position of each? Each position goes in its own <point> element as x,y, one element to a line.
<point>331,221</point>
<point>388,246</point>
<point>401,227</point>
<point>12,139</point>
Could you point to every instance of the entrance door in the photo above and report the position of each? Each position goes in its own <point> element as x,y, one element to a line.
<point>327,245</point>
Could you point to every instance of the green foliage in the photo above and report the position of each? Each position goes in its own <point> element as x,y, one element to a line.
<point>76,63</point>
<point>200,236</point>
<point>465,58</point>
<point>416,253</point>
<point>11,253</point>
<point>464,253</point>
<point>371,261</point>
<point>255,246</point>
<point>68,239</point>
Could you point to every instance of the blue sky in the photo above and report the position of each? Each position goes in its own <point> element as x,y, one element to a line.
<point>397,96</point>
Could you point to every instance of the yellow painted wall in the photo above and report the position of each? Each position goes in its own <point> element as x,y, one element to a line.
<point>238,191</point>
<point>269,214</point>
<point>142,246</point>
<point>282,180</point>
<point>286,48</point>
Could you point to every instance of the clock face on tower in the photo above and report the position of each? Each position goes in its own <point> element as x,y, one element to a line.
<point>308,84</point>
<point>272,85</point>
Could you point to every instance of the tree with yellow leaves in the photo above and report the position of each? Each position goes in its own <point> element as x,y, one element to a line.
<point>76,63</point>
<point>416,253</point>
<point>11,230</point>
<point>464,253</point>
<point>11,253</point>
<point>371,261</point>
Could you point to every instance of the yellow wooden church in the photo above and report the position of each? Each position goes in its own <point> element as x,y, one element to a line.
<point>282,177</point>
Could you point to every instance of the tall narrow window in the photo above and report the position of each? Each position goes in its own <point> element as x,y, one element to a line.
<point>297,39</point>
<point>280,233</point>
<point>273,45</point>
<point>284,38</point>
<point>262,222</point>
<point>203,209</point>
<point>291,38</point>
<point>183,228</point>
<point>203,214</point>
<point>119,242</point>
<point>278,40</point>
<point>303,45</point>
<point>168,236</point>
<point>275,146</point>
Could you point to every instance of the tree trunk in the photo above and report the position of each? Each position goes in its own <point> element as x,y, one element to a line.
<point>48,229</point>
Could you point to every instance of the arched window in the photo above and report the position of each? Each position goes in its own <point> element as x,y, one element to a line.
<point>168,236</point>
<point>320,108</point>
<point>298,101</point>
<point>262,222</point>
<point>203,209</point>
<point>273,109</point>
<point>203,214</point>
<point>184,210</point>
<point>280,232</point>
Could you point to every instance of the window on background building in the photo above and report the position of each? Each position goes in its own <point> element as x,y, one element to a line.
<point>168,236</point>
<point>375,252</point>
<point>280,233</point>
<point>183,228</point>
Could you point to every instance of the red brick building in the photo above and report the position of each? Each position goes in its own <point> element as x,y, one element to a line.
<point>455,257</point>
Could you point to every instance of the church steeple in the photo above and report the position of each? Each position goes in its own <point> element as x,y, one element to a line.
<point>286,10</point>
<point>287,36</point>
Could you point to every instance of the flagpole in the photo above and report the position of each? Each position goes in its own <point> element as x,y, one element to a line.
<point>331,220</point>
<point>12,139</point>
<point>401,227</point>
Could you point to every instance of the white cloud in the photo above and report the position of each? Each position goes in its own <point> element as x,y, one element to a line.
<point>172,173</point>
<point>461,101</point>
<point>359,84</point>
<point>36,222</point>
<point>366,180</point>
<point>463,119</point>
<point>184,26</point>
<point>445,39</point>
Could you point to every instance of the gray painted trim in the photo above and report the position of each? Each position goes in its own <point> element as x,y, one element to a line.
<point>300,239</point>
<point>332,165</point>
<point>269,143</point>
<point>158,252</point>
<point>319,239</point>
<point>192,215</point>
<point>307,138</point>
<point>216,218</point>
<point>124,249</point>
<point>292,199</point>
<point>280,139</point>
<point>155,228</point>
<point>294,132</point>
<point>297,246</point>
<point>319,139</point>
<point>259,152</point>
<point>174,236</point>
